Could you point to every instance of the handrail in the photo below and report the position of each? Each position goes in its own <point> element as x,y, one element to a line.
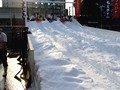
<point>31,61</point>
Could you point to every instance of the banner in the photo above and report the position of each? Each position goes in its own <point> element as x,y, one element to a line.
<point>108,9</point>
<point>116,9</point>
<point>77,4</point>
<point>119,8</point>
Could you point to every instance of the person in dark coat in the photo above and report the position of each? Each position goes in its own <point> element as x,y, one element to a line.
<point>24,47</point>
<point>3,51</point>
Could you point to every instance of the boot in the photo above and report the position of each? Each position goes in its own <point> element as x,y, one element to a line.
<point>5,72</point>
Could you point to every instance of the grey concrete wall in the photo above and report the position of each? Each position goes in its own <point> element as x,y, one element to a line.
<point>10,12</point>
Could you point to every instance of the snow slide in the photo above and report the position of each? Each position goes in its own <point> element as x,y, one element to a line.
<point>70,57</point>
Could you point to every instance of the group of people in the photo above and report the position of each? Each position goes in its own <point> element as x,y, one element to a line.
<point>36,17</point>
<point>63,19</point>
<point>50,18</point>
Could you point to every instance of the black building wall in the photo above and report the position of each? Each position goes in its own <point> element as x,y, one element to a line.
<point>94,13</point>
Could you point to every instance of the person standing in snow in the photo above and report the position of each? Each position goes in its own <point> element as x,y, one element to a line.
<point>50,17</point>
<point>62,19</point>
<point>33,17</point>
<point>58,18</point>
<point>3,51</point>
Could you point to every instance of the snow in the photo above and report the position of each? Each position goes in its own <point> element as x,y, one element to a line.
<point>74,57</point>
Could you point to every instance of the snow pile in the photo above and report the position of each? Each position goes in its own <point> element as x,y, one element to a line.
<point>70,57</point>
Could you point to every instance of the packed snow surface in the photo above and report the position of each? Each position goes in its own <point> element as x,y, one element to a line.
<point>74,57</point>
